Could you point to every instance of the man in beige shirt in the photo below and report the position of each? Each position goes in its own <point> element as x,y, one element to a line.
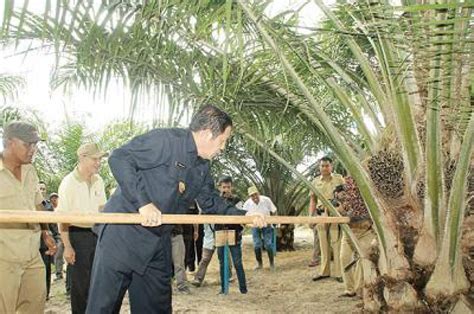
<point>22,273</point>
<point>329,235</point>
<point>81,191</point>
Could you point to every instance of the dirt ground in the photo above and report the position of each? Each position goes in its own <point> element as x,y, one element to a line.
<point>287,290</point>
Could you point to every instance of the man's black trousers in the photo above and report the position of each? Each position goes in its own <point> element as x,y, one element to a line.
<point>83,241</point>
<point>148,293</point>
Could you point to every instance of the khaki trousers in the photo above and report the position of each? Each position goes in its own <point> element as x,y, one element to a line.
<point>202,268</point>
<point>329,241</point>
<point>22,286</point>
<point>178,251</point>
<point>316,248</point>
<point>353,277</point>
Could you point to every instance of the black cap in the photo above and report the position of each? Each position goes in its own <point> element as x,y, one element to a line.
<point>21,130</point>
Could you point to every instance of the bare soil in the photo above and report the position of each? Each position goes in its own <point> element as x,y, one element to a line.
<point>287,290</point>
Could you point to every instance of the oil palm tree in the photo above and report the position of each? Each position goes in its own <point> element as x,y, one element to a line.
<point>9,86</point>
<point>427,123</point>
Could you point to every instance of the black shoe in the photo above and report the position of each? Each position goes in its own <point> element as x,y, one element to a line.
<point>258,257</point>
<point>196,283</point>
<point>184,290</point>
<point>338,279</point>
<point>347,295</point>
<point>271,259</point>
<point>317,278</point>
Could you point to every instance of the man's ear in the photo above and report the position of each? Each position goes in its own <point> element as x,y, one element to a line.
<point>208,134</point>
<point>10,142</point>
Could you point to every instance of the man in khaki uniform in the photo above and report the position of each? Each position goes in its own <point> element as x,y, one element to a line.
<point>81,191</point>
<point>325,184</point>
<point>22,273</point>
<point>355,266</point>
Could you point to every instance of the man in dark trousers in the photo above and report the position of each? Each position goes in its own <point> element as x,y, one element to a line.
<point>81,191</point>
<point>53,228</point>
<point>225,187</point>
<point>162,171</point>
<point>190,235</point>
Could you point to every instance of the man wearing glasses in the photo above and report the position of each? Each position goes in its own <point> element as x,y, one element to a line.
<point>22,273</point>
<point>82,190</point>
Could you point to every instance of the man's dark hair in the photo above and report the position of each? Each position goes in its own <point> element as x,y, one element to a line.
<point>224,179</point>
<point>41,182</point>
<point>326,158</point>
<point>212,118</point>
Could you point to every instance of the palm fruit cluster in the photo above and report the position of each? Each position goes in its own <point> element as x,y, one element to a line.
<point>386,170</point>
<point>352,200</point>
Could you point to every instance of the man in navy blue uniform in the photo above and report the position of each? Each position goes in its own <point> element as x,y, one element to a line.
<point>162,171</point>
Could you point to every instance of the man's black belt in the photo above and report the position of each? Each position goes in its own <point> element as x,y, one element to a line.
<point>79,229</point>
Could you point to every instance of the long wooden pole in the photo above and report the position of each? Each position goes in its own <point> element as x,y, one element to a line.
<point>18,216</point>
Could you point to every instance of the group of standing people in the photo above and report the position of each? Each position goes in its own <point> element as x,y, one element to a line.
<point>255,204</point>
<point>162,171</point>
<point>231,245</point>
<point>82,190</point>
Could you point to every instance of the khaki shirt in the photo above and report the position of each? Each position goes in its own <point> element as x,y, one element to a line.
<point>326,187</point>
<point>77,195</point>
<point>19,242</point>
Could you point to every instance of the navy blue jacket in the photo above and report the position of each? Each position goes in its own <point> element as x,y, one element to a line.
<point>149,169</point>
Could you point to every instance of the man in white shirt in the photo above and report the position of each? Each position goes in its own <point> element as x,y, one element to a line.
<point>80,191</point>
<point>261,204</point>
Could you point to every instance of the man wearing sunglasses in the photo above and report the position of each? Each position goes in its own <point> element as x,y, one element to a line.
<point>22,271</point>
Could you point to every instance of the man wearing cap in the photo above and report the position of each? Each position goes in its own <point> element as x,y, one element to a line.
<point>81,191</point>
<point>22,273</point>
<point>261,204</point>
